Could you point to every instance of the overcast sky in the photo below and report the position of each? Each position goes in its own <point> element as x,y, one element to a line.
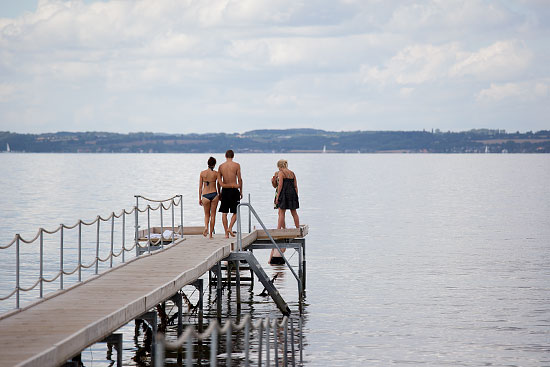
<point>181,66</point>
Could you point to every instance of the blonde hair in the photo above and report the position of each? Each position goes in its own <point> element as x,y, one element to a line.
<point>282,163</point>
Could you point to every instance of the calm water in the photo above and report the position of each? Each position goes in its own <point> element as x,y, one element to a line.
<point>412,259</point>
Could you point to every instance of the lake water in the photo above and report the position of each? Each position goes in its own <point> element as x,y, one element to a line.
<point>412,259</point>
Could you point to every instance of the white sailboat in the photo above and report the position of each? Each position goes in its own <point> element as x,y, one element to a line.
<point>324,148</point>
<point>8,149</point>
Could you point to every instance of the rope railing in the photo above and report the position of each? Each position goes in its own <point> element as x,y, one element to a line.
<point>160,201</point>
<point>269,330</point>
<point>174,201</point>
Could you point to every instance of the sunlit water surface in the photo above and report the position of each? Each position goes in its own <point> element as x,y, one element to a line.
<point>411,259</point>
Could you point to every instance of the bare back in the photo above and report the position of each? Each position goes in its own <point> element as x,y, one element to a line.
<point>229,174</point>
<point>208,181</point>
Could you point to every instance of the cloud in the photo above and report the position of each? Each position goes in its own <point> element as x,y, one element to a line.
<point>448,14</point>
<point>7,91</point>
<point>500,60</point>
<point>524,91</point>
<point>420,64</point>
<point>415,64</point>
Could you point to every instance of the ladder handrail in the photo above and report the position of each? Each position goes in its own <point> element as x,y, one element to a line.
<point>240,240</point>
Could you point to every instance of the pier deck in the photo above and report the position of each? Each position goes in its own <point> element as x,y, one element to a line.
<point>51,331</point>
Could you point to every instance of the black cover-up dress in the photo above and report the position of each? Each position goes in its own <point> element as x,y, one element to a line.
<point>288,198</point>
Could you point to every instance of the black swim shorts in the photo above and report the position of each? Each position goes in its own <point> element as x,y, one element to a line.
<point>230,198</point>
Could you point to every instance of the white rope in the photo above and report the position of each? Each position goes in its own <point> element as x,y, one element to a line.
<point>158,201</point>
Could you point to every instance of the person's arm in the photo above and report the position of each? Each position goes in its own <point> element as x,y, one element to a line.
<point>240,180</point>
<point>200,190</point>
<point>218,185</point>
<point>220,177</point>
<point>295,184</point>
<point>280,187</point>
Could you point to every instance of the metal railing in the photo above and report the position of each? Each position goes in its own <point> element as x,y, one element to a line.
<point>269,330</point>
<point>240,239</point>
<point>61,229</point>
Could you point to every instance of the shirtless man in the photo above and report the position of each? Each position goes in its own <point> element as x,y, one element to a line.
<point>229,177</point>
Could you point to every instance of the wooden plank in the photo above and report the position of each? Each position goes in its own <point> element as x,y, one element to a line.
<point>287,233</point>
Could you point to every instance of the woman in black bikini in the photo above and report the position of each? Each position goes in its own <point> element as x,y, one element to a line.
<point>285,198</point>
<point>209,197</point>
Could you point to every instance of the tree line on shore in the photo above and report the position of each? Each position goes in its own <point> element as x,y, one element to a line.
<point>289,141</point>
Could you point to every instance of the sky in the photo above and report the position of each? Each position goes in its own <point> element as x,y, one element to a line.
<point>191,66</point>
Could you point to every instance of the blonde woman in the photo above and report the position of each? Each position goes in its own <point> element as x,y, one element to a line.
<point>209,189</point>
<point>286,198</point>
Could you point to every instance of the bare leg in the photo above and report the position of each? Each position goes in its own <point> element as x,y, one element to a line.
<point>206,206</point>
<point>281,220</point>
<point>233,220</point>
<point>280,224</point>
<point>296,217</point>
<point>224,221</point>
<point>213,208</point>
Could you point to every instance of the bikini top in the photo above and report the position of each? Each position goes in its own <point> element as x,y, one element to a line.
<point>208,182</point>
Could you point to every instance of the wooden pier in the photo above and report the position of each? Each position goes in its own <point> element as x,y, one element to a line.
<point>51,331</point>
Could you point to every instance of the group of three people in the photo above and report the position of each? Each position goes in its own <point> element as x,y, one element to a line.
<point>226,185</point>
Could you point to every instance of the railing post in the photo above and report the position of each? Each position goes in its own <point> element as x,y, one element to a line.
<point>188,349</point>
<point>137,223</point>
<point>41,262</point>
<point>292,348</point>
<point>228,345</point>
<point>247,342</point>
<point>97,246</point>
<point>61,259</point>
<point>285,346</point>
<point>260,338</point>
<point>161,225</point>
<point>181,217</point>
<point>275,343</point>
<point>112,238</point>
<point>214,347</point>
<point>267,346</point>
<point>173,217</point>
<point>159,355</point>
<point>79,250</point>
<point>17,270</point>
<point>239,229</point>
<point>249,216</point>
<point>123,233</point>
<point>149,227</point>
<point>136,238</point>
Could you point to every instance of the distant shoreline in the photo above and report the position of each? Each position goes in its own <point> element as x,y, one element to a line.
<point>283,141</point>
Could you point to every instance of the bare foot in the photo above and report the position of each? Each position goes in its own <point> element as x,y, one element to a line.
<point>231,233</point>
<point>205,232</point>
<point>211,236</point>
<point>226,234</point>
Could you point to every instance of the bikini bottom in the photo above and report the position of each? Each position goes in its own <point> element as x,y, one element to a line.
<point>210,196</point>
